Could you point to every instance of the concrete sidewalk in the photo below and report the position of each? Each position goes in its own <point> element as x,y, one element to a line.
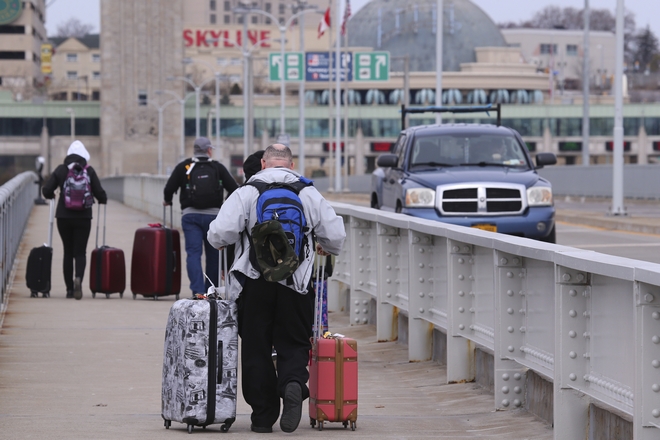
<point>91,369</point>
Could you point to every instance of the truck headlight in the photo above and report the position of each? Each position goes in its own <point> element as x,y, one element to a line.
<point>539,196</point>
<point>420,198</point>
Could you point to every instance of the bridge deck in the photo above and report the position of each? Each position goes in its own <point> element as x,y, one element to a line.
<point>92,368</point>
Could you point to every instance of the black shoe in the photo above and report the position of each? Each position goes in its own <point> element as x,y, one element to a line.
<point>77,288</point>
<point>292,407</point>
<point>261,429</point>
<point>69,293</point>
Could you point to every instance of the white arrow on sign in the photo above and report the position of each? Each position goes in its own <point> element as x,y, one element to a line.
<point>277,60</point>
<point>381,60</point>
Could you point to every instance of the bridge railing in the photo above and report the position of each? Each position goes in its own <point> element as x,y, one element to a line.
<point>587,322</point>
<point>16,201</point>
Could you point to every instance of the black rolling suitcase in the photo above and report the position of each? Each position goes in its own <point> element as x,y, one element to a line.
<point>200,361</point>
<point>40,262</point>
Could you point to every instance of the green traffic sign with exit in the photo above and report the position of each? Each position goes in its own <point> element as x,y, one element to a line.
<point>371,66</point>
<point>294,69</point>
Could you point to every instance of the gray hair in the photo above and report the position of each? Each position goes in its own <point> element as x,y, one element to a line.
<point>278,152</point>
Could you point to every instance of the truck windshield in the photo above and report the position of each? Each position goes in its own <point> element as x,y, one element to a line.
<point>468,149</point>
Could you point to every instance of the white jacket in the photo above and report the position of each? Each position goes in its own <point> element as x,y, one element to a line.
<point>239,213</point>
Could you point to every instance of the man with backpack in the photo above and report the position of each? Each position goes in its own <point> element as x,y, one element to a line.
<point>202,182</point>
<point>275,220</point>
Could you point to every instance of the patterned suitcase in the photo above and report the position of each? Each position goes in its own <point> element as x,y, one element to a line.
<point>107,266</point>
<point>200,364</point>
<point>333,372</point>
<point>156,261</point>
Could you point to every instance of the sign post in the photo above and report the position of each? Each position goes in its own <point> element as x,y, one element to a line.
<point>371,66</point>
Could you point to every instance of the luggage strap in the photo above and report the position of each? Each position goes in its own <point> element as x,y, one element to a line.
<point>214,366</point>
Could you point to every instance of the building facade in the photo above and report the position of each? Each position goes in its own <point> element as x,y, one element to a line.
<point>76,69</point>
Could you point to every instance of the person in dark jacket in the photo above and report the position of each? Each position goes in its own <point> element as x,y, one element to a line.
<point>195,220</point>
<point>74,226</point>
<point>252,164</point>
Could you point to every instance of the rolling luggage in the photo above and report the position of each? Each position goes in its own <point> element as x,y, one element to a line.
<point>107,267</point>
<point>40,262</point>
<point>200,362</point>
<point>156,261</point>
<point>333,375</point>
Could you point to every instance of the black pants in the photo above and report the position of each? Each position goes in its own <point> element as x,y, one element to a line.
<point>74,233</point>
<point>272,315</point>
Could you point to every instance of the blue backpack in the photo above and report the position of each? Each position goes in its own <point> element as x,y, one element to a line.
<point>278,239</point>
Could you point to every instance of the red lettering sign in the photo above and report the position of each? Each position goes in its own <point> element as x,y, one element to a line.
<point>201,38</point>
<point>265,35</point>
<point>217,36</point>
<point>187,37</point>
<point>223,38</point>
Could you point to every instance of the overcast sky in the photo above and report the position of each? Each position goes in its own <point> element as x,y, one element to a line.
<point>87,11</point>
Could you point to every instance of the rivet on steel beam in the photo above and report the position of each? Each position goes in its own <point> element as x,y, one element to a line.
<point>421,280</point>
<point>388,240</point>
<point>466,248</point>
<point>655,339</point>
<point>360,257</point>
<point>357,320</point>
<point>517,403</point>
<point>471,278</point>
<point>364,320</point>
<point>415,239</point>
<point>648,297</point>
<point>357,311</point>
<point>421,250</point>
<point>365,301</point>
<point>509,292</point>
<point>517,376</point>
<point>503,261</point>
<point>509,274</point>
<point>521,293</point>
<point>516,261</point>
<point>361,233</point>
<point>655,363</point>
<point>521,311</point>
<point>572,334</point>
<point>585,293</point>
<point>509,311</point>
<point>517,390</point>
<point>421,265</point>
<point>586,313</point>
<point>388,254</point>
<point>505,390</point>
<point>427,239</point>
<point>505,403</point>
<point>365,311</point>
<point>461,293</point>
<point>572,292</point>
<point>566,277</point>
<point>572,313</point>
<point>421,294</point>
<point>421,310</point>
<point>455,249</point>
<point>388,294</point>
<point>471,260</point>
<point>505,376</point>
<point>388,267</point>
<point>510,348</point>
<point>586,355</point>
<point>388,281</point>
<point>521,274</point>
<point>461,327</point>
<point>360,270</point>
<point>572,376</point>
<point>580,277</point>
<point>361,245</point>
<point>461,261</point>
<point>361,283</point>
<point>471,293</point>
<point>586,335</point>
<point>655,387</point>
<point>510,329</point>
<point>655,413</point>
<point>523,329</point>
<point>656,315</point>
<point>461,277</point>
<point>572,355</point>
<point>357,302</point>
<point>471,309</point>
<point>461,310</point>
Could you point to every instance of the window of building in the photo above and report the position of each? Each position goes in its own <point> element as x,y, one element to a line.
<point>96,75</point>
<point>239,19</point>
<point>212,18</point>
<point>71,74</point>
<point>571,50</point>
<point>281,20</point>
<point>72,58</point>
<point>9,29</point>
<point>548,49</point>
<point>267,7</point>
<point>255,19</point>
<point>227,6</point>
<point>96,57</point>
<point>227,19</point>
<point>267,20</point>
<point>142,97</point>
<point>212,5</point>
<point>282,8</point>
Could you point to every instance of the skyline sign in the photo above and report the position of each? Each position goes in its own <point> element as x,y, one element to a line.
<point>317,66</point>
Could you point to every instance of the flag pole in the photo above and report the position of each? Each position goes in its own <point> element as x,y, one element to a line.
<point>346,156</point>
<point>331,187</point>
<point>338,103</point>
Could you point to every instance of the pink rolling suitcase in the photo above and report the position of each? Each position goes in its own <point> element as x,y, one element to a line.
<point>333,375</point>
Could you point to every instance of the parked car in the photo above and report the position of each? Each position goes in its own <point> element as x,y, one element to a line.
<point>476,175</point>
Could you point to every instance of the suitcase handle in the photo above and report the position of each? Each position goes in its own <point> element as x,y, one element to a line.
<point>171,216</point>
<point>51,216</point>
<point>98,220</point>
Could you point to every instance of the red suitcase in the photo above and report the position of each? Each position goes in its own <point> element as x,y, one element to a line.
<point>156,261</point>
<point>107,267</point>
<point>333,373</point>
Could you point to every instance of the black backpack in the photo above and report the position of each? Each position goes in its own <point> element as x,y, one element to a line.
<point>203,184</point>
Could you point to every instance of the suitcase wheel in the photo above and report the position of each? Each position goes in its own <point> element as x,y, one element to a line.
<point>134,296</point>
<point>190,428</point>
<point>46,295</point>
<point>107,295</point>
<point>34,294</point>
<point>224,428</point>
<point>121,294</point>
<point>312,422</point>
<point>168,423</point>
<point>156,299</point>
<point>176,296</point>
<point>321,426</point>
<point>353,426</point>
<point>93,294</point>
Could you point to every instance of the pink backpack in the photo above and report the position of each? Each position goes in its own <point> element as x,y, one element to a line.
<point>77,188</point>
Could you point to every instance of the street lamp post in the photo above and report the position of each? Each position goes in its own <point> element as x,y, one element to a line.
<point>182,102</point>
<point>160,108</point>
<point>70,111</point>
<point>197,89</point>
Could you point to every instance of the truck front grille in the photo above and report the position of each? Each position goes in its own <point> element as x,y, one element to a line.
<point>481,199</point>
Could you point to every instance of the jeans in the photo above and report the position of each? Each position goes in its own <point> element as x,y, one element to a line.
<point>195,227</point>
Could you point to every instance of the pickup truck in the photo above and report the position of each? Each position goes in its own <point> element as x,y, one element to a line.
<point>475,175</point>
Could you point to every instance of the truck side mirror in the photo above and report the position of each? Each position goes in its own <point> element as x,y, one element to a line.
<point>387,160</point>
<point>543,159</point>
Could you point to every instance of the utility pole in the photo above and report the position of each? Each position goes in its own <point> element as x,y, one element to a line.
<point>438,58</point>
<point>338,100</point>
<point>585,88</point>
<point>617,178</point>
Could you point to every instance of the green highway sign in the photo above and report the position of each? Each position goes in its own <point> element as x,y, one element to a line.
<point>371,66</point>
<point>294,68</point>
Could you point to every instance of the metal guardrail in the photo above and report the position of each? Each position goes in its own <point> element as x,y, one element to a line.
<point>16,201</point>
<point>587,322</point>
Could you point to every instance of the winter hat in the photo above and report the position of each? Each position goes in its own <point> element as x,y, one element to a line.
<point>252,164</point>
<point>78,148</point>
<point>201,145</point>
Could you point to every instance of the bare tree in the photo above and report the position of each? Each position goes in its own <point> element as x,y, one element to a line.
<point>73,28</point>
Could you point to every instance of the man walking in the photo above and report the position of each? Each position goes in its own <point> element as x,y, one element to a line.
<point>201,182</point>
<point>275,314</point>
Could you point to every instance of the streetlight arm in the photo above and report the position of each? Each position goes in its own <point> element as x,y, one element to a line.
<point>182,78</point>
<point>312,9</point>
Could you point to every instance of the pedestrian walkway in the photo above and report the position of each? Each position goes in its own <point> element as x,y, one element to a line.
<point>91,369</point>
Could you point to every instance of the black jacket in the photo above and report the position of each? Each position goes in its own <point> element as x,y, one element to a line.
<point>56,180</point>
<point>178,180</point>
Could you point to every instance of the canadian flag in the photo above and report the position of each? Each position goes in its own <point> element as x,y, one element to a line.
<point>325,22</point>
